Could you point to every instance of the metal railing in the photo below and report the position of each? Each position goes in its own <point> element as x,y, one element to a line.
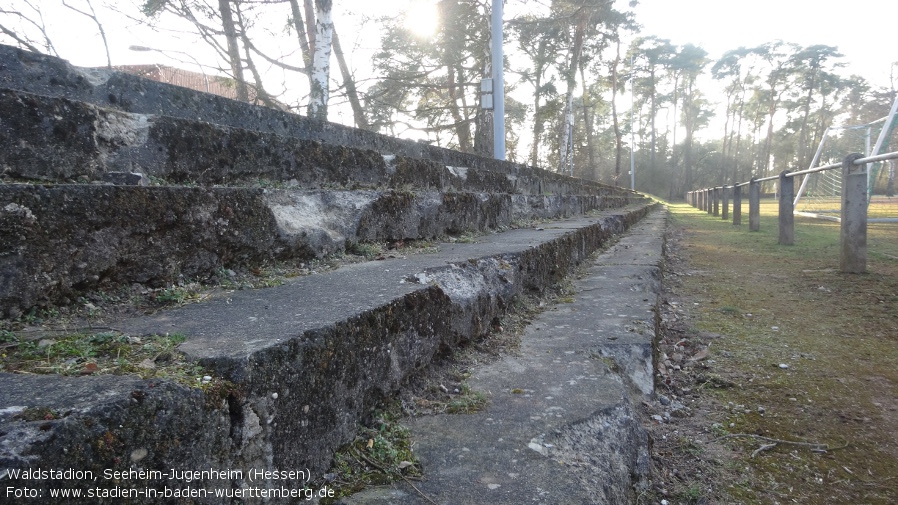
<point>853,234</point>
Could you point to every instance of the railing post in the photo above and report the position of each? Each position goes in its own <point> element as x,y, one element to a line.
<point>709,201</point>
<point>754,205</point>
<point>716,192</point>
<point>853,232</point>
<point>786,210</point>
<point>737,205</point>
<point>725,211</point>
<point>701,199</point>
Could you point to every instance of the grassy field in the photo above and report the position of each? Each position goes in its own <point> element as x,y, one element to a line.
<point>800,389</point>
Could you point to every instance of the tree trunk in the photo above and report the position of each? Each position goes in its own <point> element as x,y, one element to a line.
<point>462,131</point>
<point>587,120</point>
<point>304,45</point>
<point>324,32</point>
<point>483,135</point>
<point>689,125</point>
<point>227,20</point>
<point>618,135</point>
<point>568,123</point>
<point>259,94</point>
<point>738,136</point>
<point>803,135</point>
<point>351,92</point>
<point>537,120</point>
<point>652,113</point>
<point>768,147</point>
<point>673,144</point>
<point>309,7</point>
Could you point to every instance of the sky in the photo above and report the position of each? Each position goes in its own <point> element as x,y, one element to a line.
<point>863,30</point>
<point>715,25</point>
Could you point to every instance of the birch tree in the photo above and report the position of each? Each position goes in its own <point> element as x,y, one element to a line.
<point>320,74</point>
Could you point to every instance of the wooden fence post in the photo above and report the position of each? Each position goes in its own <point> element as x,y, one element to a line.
<point>725,211</point>
<point>716,193</point>
<point>786,210</point>
<point>853,232</point>
<point>709,200</point>
<point>754,205</point>
<point>737,205</point>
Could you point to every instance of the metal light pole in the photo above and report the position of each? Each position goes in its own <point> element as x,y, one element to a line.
<point>632,130</point>
<point>164,51</point>
<point>498,81</point>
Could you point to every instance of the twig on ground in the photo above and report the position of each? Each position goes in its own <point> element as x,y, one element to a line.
<point>762,449</point>
<point>814,446</point>
<point>382,469</point>
<point>418,490</point>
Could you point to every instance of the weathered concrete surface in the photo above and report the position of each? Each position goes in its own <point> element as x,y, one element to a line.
<point>53,77</point>
<point>309,360</point>
<point>111,422</point>
<point>560,427</point>
<point>56,241</point>
<point>57,140</point>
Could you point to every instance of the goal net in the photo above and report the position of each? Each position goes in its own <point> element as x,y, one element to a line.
<point>820,193</point>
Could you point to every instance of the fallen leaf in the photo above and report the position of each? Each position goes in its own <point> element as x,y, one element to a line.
<point>147,364</point>
<point>700,355</point>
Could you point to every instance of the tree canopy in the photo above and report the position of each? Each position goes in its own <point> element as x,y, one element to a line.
<point>585,87</point>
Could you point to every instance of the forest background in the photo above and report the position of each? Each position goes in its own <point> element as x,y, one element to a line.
<point>586,82</point>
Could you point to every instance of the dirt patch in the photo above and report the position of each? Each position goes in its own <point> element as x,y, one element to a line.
<point>777,375</point>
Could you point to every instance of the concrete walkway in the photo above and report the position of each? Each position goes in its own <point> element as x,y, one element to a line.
<point>560,427</point>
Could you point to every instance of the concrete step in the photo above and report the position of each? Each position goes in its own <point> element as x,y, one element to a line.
<point>60,240</point>
<point>308,360</point>
<point>59,140</point>
<point>560,427</point>
<point>126,102</point>
<point>232,185</point>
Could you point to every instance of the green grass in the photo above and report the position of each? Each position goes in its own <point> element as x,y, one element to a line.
<point>467,402</point>
<point>380,453</point>
<point>105,353</point>
<point>838,335</point>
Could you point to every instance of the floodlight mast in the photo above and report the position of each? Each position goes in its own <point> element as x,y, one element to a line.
<point>498,81</point>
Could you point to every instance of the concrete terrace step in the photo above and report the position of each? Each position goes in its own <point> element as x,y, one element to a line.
<point>560,427</point>
<point>62,239</point>
<point>58,140</point>
<point>47,76</point>
<point>234,185</point>
<point>309,359</point>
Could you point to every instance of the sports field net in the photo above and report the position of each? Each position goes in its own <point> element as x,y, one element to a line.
<point>820,194</point>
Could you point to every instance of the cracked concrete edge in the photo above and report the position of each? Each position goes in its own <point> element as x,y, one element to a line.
<point>99,141</point>
<point>587,431</point>
<point>54,77</point>
<point>57,240</point>
<point>296,403</point>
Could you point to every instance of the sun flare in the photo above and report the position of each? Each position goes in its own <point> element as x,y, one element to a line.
<point>422,18</point>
